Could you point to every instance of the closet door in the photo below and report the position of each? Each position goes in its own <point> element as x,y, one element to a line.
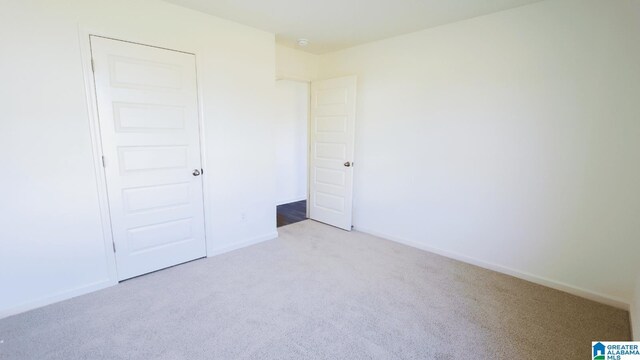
<point>148,111</point>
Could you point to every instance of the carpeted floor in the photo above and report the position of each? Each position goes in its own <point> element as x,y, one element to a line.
<point>317,293</point>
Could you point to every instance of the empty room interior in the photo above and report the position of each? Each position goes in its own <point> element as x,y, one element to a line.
<point>344,179</point>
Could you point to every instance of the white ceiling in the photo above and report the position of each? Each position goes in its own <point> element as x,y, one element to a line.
<point>337,24</point>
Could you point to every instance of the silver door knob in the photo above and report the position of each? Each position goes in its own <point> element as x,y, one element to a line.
<point>347,164</point>
<point>196,172</point>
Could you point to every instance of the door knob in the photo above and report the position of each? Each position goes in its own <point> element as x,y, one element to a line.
<point>347,164</point>
<point>196,172</point>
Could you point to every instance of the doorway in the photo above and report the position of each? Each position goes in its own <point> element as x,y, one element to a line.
<point>148,118</point>
<point>320,115</point>
<point>291,134</point>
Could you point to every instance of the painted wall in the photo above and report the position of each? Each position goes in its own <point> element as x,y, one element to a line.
<point>50,234</point>
<point>295,64</point>
<point>292,108</point>
<point>510,140</point>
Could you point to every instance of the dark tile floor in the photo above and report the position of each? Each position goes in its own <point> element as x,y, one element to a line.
<point>292,212</point>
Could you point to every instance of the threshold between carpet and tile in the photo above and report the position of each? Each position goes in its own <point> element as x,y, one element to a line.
<point>317,292</point>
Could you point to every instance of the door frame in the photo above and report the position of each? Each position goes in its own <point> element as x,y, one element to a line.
<point>84,34</point>
<point>308,155</point>
<point>309,99</point>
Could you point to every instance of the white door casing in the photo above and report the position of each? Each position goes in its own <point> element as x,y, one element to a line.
<point>148,113</point>
<point>332,131</point>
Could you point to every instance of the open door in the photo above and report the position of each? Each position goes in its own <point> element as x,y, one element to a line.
<point>332,130</point>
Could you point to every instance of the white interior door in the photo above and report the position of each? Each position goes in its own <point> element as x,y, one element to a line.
<point>332,130</point>
<point>148,112</point>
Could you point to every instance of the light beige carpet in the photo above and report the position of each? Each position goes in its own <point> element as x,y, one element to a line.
<point>317,293</point>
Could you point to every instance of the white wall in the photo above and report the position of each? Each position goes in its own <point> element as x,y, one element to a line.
<point>509,140</point>
<point>294,64</point>
<point>294,69</point>
<point>292,108</point>
<point>51,243</point>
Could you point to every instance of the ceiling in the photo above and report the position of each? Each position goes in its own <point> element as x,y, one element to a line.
<point>337,24</point>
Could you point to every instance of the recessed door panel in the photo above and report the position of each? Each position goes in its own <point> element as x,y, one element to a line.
<point>141,158</point>
<point>144,73</point>
<point>331,124</point>
<point>148,237</point>
<point>147,117</point>
<point>156,197</point>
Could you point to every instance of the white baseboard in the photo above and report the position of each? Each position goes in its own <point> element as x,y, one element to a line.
<point>241,244</point>
<point>57,297</point>
<point>574,290</point>
<point>296,199</point>
<point>82,290</point>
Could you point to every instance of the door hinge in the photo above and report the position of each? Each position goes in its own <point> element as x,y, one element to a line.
<point>104,165</point>
<point>114,246</point>
<point>93,66</point>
